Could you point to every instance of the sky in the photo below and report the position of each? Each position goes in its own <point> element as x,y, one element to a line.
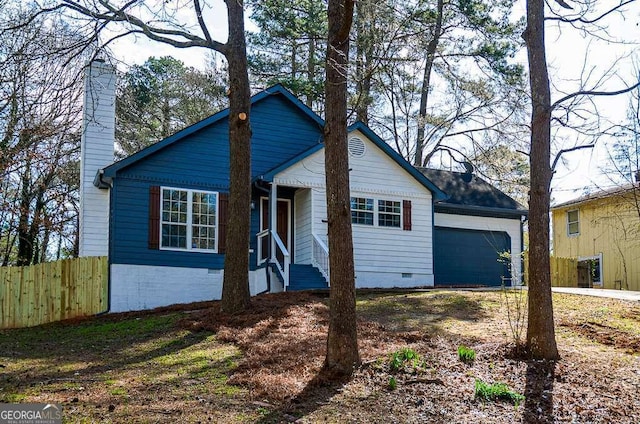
<point>572,56</point>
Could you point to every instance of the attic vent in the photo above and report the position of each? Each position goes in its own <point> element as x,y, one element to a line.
<point>356,147</point>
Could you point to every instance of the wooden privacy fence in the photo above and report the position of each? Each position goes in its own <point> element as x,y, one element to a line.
<point>564,271</point>
<point>52,291</point>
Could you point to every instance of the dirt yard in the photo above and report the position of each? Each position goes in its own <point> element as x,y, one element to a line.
<point>191,364</point>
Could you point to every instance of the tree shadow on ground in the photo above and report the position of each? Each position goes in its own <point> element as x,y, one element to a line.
<point>283,341</point>
<point>408,312</point>
<point>69,362</point>
<point>538,405</point>
<point>316,393</point>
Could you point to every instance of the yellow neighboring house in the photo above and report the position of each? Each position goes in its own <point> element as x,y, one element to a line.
<point>601,231</point>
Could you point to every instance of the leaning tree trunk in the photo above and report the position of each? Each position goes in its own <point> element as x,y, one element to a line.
<point>541,341</point>
<point>342,341</point>
<point>235,289</point>
<point>364,56</point>
<point>432,48</point>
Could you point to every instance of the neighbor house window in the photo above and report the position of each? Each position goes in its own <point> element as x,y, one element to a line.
<point>388,213</point>
<point>573,223</point>
<point>362,210</point>
<point>189,219</point>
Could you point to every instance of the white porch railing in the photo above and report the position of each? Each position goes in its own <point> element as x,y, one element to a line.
<point>283,267</point>
<point>280,256</point>
<point>320,256</point>
<point>262,241</point>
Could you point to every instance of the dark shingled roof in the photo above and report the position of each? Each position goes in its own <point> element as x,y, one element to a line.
<point>468,192</point>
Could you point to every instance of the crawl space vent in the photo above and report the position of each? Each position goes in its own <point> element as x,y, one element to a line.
<point>356,147</point>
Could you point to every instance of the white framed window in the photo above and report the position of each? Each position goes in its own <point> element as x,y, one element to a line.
<point>573,222</point>
<point>389,213</point>
<point>188,220</point>
<point>376,212</point>
<point>362,211</point>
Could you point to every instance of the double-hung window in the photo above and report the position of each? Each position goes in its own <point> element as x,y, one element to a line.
<point>362,210</point>
<point>573,222</point>
<point>189,220</point>
<point>388,213</point>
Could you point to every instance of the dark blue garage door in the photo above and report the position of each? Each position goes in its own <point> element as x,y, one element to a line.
<point>469,257</point>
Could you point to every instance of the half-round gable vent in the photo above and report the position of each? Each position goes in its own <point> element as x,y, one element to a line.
<point>356,147</point>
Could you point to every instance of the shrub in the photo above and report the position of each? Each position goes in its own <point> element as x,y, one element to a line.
<point>496,391</point>
<point>393,383</point>
<point>516,303</point>
<point>466,354</point>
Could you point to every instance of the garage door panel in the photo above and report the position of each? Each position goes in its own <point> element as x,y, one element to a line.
<point>469,257</point>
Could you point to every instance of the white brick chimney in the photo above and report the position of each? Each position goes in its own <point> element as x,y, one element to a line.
<point>97,152</point>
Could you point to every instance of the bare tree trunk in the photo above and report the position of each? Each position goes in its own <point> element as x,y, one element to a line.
<point>76,236</point>
<point>364,58</point>
<point>342,342</point>
<point>541,341</point>
<point>36,221</point>
<point>235,288</point>
<point>166,117</point>
<point>311,67</point>
<point>432,48</point>
<point>46,237</point>
<point>25,245</point>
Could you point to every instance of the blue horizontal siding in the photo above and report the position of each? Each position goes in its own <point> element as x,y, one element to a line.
<point>280,132</point>
<point>201,161</point>
<point>130,231</point>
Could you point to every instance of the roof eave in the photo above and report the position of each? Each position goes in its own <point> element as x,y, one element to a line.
<point>111,170</point>
<point>270,175</point>
<point>481,210</point>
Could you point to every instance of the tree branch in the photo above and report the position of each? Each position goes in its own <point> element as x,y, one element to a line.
<point>594,93</point>
<point>203,26</point>
<point>572,149</point>
<point>162,35</point>
<point>581,19</point>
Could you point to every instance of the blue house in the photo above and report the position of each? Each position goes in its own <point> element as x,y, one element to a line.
<point>160,214</point>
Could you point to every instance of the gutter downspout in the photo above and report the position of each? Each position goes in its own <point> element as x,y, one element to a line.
<point>267,273</point>
<point>522,221</point>
<point>109,186</point>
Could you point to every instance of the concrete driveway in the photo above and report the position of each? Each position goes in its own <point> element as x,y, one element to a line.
<point>612,294</point>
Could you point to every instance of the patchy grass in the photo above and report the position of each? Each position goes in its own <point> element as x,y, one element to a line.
<point>263,365</point>
<point>466,355</point>
<point>495,392</point>
<point>122,369</point>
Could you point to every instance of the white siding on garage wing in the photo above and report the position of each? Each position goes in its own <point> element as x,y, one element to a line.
<point>510,226</point>
<point>384,257</point>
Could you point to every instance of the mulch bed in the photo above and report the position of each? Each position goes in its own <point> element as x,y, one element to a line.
<point>283,341</point>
